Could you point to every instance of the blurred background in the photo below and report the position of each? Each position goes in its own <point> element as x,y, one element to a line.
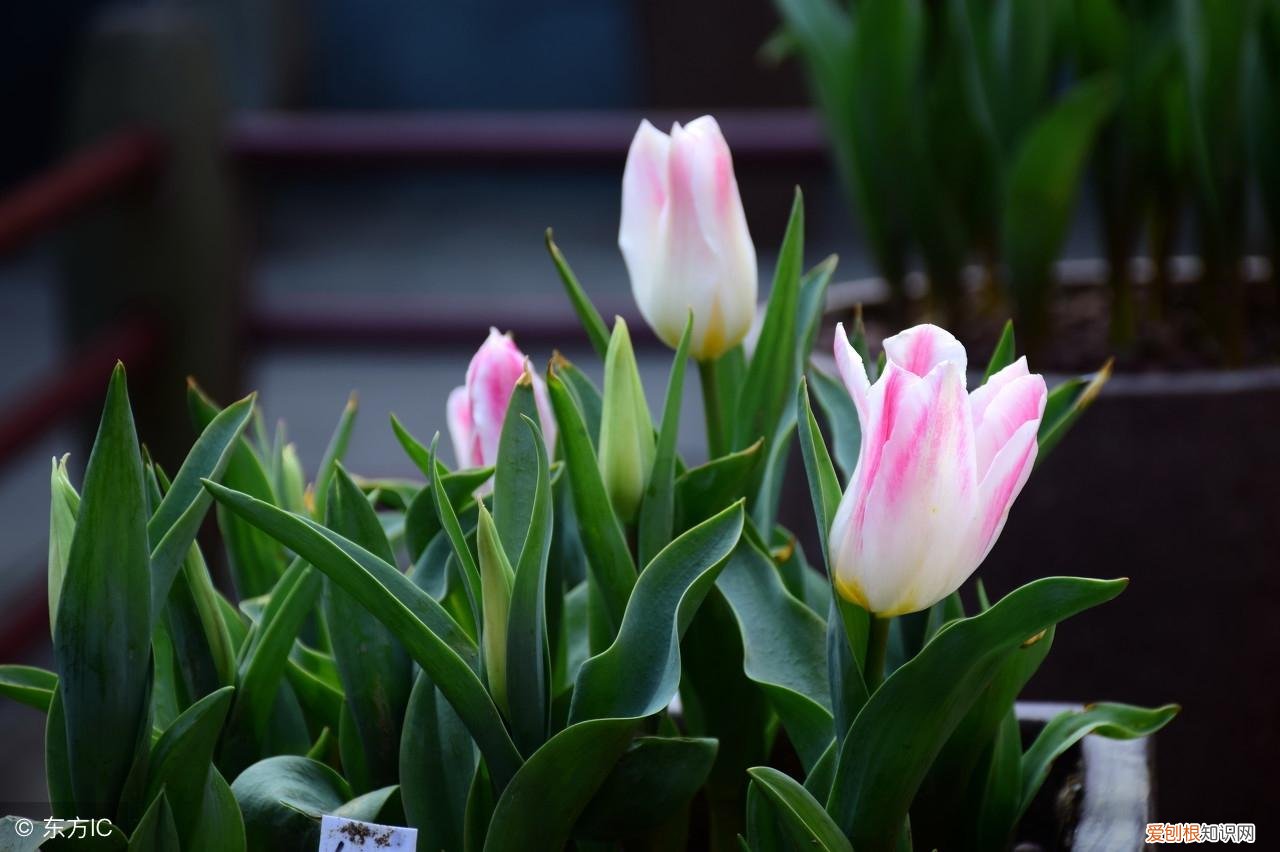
<point>311,197</point>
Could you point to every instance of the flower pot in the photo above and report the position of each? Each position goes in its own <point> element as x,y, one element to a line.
<point>1173,480</point>
<point>1098,796</point>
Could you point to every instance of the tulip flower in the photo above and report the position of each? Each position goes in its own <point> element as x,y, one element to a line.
<point>477,409</point>
<point>937,471</point>
<point>684,237</point>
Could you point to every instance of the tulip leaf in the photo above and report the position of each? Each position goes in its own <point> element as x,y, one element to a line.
<point>181,759</point>
<point>706,489</point>
<point>437,762</point>
<point>824,487</point>
<point>657,509</point>
<point>842,419</point>
<point>221,827</point>
<point>597,331</point>
<point>998,780</point>
<point>810,309</point>
<point>374,669</point>
<point>458,539</point>
<point>103,642</point>
<point>1115,721</point>
<point>1004,354</point>
<point>278,796</point>
<point>156,831</point>
<point>784,648</point>
<point>417,620</point>
<point>1064,406</point>
<point>528,675</point>
<point>333,454</point>
<point>796,806</point>
<point>64,505</point>
<point>419,454</point>
<point>421,519</point>
<point>516,473</point>
<point>255,560</point>
<point>655,778</point>
<point>28,685</point>
<point>906,722</point>
<point>177,519</point>
<point>775,366</point>
<point>202,644</point>
<point>608,559</point>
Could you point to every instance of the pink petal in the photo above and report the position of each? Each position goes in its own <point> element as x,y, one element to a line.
<point>1001,486</point>
<point>1017,402</point>
<point>852,371</point>
<point>461,427</point>
<point>644,196</point>
<point>979,398</point>
<point>921,348</point>
<point>491,378</point>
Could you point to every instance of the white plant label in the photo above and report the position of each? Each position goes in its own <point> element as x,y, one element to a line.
<point>351,835</point>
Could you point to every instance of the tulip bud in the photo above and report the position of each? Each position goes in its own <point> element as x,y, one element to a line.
<point>684,237</point>
<point>626,428</point>
<point>293,482</point>
<point>497,579</point>
<point>937,471</point>
<point>477,409</point>
<point>64,506</point>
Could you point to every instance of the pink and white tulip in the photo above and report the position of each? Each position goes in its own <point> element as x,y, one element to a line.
<point>684,237</point>
<point>477,409</point>
<point>938,469</point>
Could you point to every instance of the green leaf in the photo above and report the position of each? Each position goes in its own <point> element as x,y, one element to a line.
<point>64,505</point>
<point>626,428</point>
<point>203,650</point>
<point>415,450</point>
<point>422,521</point>
<point>183,758</point>
<point>1043,180</point>
<point>57,766</point>
<point>842,419</point>
<point>28,685</point>
<point>437,762</point>
<point>516,473</point>
<point>528,654</point>
<point>1004,354</point>
<point>597,331</point>
<point>775,365</point>
<point>655,778</point>
<point>796,806</point>
<point>1116,721</point>
<point>1064,406</point>
<point>479,811</point>
<point>704,490</point>
<point>905,723</point>
<point>373,666</point>
<point>609,560</point>
<point>824,488</point>
<point>278,797</point>
<point>583,391</point>
<point>999,797</point>
<point>402,607</point>
<point>657,509</point>
<point>334,453</point>
<point>458,539</point>
<point>102,645</point>
<point>637,675</point>
<point>221,827</point>
<point>177,519</point>
<point>156,832</point>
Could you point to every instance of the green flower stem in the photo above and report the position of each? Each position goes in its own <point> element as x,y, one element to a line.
<point>711,407</point>
<point>877,644</point>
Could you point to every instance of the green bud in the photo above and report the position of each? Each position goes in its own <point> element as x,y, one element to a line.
<point>496,581</point>
<point>64,506</point>
<point>626,429</point>
<point>292,480</point>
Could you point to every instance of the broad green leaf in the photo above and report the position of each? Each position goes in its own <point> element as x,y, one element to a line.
<point>57,766</point>
<point>333,454</point>
<point>905,723</point>
<point>437,762</point>
<point>373,666</point>
<point>177,519</point>
<point>655,778</point>
<point>479,810</point>
<point>277,797</point>
<point>182,759</point>
<point>515,475</point>
<point>609,560</point>
<point>704,490</point>
<point>810,309</point>
<point>28,685</point>
<point>657,509</point>
<point>1064,406</point>
<point>785,648</point>
<point>64,505</point>
<point>1004,354</point>
<point>157,831</point>
<point>202,640</point>
<point>796,806</point>
<point>1116,721</point>
<point>255,560</point>
<point>637,675</point>
<point>434,651</point>
<point>775,365</point>
<point>102,644</point>
<point>528,654</point>
<point>597,331</point>
<point>422,521</point>
<point>221,827</point>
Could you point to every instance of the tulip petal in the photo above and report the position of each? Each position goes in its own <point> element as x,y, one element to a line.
<point>921,348</point>
<point>644,199</point>
<point>1017,402</point>
<point>979,398</point>
<point>461,427</point>
<point>491,378</point>
<point>1001,486</point>
<point>852,372</point>
<point>920,502</point>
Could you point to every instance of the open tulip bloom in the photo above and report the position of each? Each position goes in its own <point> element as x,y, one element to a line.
<point>492,654</point>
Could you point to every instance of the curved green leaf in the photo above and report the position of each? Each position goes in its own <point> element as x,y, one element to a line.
<point>182,759</point>
<point>657,507</point>
<point>278,796</point>
<point>333,454</point>
<point>221,827</point>
<point>437,762</point>
<point>1004,354</point>
<point>156,831</point>
<point>1064,406</point>
<point>28,685</point>
<point>597,331</point>
<point>796,806</point>
<point>706,489</point>
<point>655,778</point>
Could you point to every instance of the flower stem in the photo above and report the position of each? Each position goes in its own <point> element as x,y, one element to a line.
<point>877,645</point>
<point>711,408</point>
